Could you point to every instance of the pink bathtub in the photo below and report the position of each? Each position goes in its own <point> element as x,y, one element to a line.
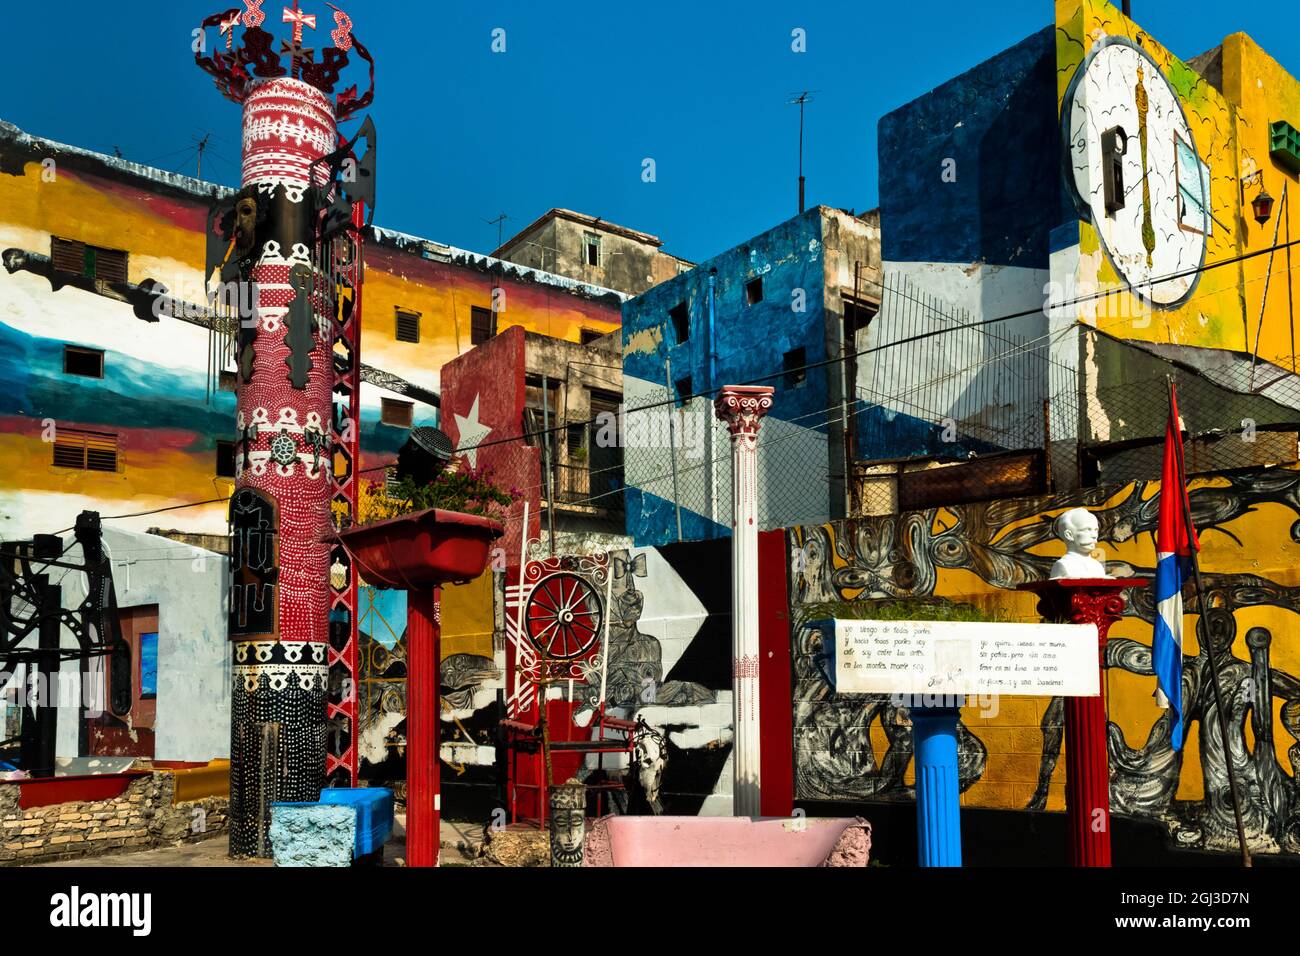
<point>728,841</point>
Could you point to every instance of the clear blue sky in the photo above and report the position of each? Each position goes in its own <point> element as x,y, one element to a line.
<point>583,93</point>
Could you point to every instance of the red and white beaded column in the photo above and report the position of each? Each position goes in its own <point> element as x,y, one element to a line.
<point>742,408</point>
<point>283,420</point>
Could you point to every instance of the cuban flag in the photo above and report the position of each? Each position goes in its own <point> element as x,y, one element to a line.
<point>1175,542</point>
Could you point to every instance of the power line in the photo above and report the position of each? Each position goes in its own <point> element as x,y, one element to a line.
<point>683,400</point>
<point>1024,313</point>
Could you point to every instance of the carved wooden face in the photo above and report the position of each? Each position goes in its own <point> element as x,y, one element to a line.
<point>245,224</point>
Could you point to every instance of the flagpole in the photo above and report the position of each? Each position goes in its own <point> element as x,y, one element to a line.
<point>1203,635</point>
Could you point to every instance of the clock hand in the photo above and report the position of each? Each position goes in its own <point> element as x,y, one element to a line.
<point>1148,229</point>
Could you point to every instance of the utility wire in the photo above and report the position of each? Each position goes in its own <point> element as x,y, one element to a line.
<point>684,400</point>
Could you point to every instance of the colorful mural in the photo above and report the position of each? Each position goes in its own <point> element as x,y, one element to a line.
<point>668,663</point>
<point>158,395</point>
<point>855,747</point>
<point>1152,162</point>
<point>1083,177</point>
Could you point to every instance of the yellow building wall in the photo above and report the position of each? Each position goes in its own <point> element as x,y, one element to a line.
<point>979,553</point>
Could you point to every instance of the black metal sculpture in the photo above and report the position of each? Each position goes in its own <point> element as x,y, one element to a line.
<point>31,604</point>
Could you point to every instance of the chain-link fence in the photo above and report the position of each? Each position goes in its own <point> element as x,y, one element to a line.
<point>938,409</point>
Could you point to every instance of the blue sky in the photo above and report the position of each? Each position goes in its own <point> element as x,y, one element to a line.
<point>581,96</point>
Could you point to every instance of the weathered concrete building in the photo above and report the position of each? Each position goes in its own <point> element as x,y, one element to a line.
<point>506,394</point>
<point>1002,208</point>
<point>602,253</point>
<point>777,310</point>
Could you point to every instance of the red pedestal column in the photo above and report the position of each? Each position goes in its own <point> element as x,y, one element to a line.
<point>1097,601</point>
<point>423,633</point>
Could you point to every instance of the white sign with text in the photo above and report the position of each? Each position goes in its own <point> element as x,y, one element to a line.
<point>966,657</point>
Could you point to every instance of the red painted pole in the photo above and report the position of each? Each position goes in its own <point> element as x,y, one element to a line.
<point>423,803</point>
<point>1097,601</point>
<point>1087,775</point>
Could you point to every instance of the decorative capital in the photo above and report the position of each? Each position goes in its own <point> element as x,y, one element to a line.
<point>1098,601</point>
<point>742,407</point>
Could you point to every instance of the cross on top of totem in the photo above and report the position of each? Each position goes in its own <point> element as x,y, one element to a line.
<point>238,63</point>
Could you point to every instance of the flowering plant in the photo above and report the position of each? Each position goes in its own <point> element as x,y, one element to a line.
<point>463,489</point>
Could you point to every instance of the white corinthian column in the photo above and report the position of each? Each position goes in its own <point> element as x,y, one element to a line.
<point>742,407</point>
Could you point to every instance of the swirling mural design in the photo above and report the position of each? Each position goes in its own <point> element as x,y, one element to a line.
<point>1002,544</point>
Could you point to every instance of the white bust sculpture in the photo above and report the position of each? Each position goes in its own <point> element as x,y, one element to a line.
<point>1078,529</point>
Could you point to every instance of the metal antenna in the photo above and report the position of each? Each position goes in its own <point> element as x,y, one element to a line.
<point>497,222</point>
<point>801,99</point>
<point>203,144</point>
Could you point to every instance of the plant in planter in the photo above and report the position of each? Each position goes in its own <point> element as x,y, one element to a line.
<point>466,490</point>
<point>418,536</point>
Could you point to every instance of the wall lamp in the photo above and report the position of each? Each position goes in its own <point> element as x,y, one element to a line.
<point>1262,204</point>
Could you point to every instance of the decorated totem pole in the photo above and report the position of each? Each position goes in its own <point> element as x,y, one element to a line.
<point>287,249</point>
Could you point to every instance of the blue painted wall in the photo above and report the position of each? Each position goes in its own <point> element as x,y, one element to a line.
<point>995,130</point>
<point>998,122</point>
<point>750,343</point>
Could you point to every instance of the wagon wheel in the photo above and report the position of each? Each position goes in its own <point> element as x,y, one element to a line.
<point>563,616</point>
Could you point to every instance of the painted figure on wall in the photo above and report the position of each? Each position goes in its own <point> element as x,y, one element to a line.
<point>1002,543</point>
<point>668,662</point>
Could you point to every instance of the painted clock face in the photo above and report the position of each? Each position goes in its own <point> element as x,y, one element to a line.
<point>1136,172</point>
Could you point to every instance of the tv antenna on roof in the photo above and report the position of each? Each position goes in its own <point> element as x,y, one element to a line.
<point>801,99</point>
<point>202,145</point>
<point>497,222</point>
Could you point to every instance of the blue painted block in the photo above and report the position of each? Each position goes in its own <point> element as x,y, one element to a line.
<point>312,834</point>
<point>374,814</point>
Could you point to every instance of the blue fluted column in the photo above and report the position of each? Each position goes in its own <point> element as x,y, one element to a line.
<point>938,823</point>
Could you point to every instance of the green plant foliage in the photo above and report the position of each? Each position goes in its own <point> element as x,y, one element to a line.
<point>912,609</point>
<point>466,490</point>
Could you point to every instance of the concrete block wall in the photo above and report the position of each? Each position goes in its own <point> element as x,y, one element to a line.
<point>1011,731</point>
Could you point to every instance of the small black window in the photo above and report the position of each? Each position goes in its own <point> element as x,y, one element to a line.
<point>591,248</point>
<point>587,336</point>
<point>393,411</point>
<point>229,381</point>
<point>482,325</point>
<point>684,389</point>
<point>793,364</point>
<point>754,291</point>
<point>85,362</point>
<point>681,319</point>
<point>408,326</point>
<point>225,459</point>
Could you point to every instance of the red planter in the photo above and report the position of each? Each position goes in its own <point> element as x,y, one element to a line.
<point>423,550</point>
<point>417,553</point>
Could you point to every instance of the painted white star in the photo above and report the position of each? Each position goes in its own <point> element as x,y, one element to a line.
<point>472,433</point>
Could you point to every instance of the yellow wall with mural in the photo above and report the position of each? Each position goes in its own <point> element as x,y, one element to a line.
<point>1229,127</point>
<point>1012,756</point>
